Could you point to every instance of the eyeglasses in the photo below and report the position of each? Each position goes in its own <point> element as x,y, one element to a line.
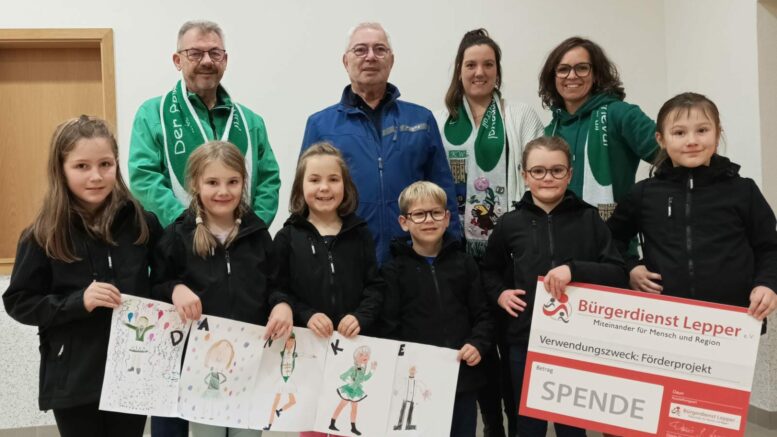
<point>557,171</point>
<point>582,69</point>
<point>419,216</point>
<point>361,51</point>
<point>196,55</point>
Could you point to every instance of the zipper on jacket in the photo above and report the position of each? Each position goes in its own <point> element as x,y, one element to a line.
<point>535,239</point>
<point>312,245</point>
<point>229,265</point>
<point>550,241</point>
<point>383,231</point>
<point>331,267</point>
<point>439,295</point>
<point>333,293</point>
<point>95,276</point>
<point>688,239</point>
<point>436,286</point>
<point>669,207</point>
<point>111,273</point>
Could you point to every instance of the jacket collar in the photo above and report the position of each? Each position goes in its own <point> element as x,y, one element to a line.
<point>593,102</point>
<point>125,212</point>
<point>403,246</point>
<point>568,203</point>
<point>350,221</point>
<point>720,168</point>
<point>351,101</point>
<point>250,223</point>
<point>223,100</point>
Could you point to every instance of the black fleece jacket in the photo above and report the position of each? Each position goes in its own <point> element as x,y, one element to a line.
<point>707,231</point>
<point>440,304</point>
<point>528,242</point>
<point>337,279</point>
<point>231,282</point>
<point>49,294</point>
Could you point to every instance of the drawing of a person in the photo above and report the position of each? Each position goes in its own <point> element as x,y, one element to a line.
<point>352,391</point>
<point>138,347</point>
<point>409,401</point>
<point>219,358</point>
<point>285,385</point>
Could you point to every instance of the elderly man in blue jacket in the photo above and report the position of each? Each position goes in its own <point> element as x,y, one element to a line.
<point>387,143</point>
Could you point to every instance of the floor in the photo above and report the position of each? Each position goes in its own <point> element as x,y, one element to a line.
<point>50,431</point>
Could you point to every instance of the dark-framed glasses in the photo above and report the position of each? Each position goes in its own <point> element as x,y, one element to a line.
<point>419,216</point>
<point>196,55</point>
<point>361,51</point>
<point>557,172</point>
<point>582,69</point>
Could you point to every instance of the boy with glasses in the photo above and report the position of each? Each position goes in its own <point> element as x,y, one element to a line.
<point>434,295</point>
<point>551,233</point>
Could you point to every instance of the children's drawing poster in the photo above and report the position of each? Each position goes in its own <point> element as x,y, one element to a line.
<point>220,371</point>
<point>289,384</point>
<point>232,377</point>
<point>424,391</point>
<point>144,358</point>
<point>356,391</point>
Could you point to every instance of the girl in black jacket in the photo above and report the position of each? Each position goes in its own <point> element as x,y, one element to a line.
<point>217,258</point>
<point>326,254</point>
<point>89,242</point>
<point>708,233</point>
<point>552,233</point>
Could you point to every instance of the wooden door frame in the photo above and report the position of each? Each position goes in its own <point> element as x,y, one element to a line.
<point>101,38</point>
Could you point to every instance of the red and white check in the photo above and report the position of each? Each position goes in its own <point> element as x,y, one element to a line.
<point>638,364</point>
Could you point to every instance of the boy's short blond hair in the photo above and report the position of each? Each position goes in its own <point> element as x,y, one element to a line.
<point>421,190</point>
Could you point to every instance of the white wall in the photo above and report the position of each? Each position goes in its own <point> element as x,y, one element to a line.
<point>711,48</point>
<point>285,56</point>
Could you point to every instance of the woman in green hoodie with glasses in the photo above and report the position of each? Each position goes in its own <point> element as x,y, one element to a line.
<point>607,136</point>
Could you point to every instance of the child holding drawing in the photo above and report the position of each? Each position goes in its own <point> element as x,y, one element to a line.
<point>89,243</point>
<point>217,258</point>
<point>326,254</point>
<point>434,295</point>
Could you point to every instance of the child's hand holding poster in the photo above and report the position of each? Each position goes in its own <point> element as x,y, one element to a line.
<point>232,377</point>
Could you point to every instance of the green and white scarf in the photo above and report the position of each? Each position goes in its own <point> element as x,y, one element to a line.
<point>597,174</point>
<point>478,161</point>
<point>182,132</point>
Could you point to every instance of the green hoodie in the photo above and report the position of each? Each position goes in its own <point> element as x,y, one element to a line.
<point>150,181</point>
<point>631,136</point>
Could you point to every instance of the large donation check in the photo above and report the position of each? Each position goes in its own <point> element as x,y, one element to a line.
<point>632,363</point>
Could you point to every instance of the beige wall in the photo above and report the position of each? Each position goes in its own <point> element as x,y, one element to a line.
<point>767,69</point>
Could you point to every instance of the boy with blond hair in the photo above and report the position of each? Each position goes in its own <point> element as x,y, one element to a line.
<point>434,295</point>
